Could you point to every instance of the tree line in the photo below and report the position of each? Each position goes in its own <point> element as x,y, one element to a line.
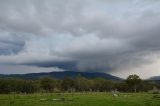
<point>79,84</point>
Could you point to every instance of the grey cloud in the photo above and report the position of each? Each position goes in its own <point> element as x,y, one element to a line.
<point>21,69</point>
<point>79,35</point>
<point>38,16</point>
<point>11,43</point>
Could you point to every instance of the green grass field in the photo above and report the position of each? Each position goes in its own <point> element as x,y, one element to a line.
<point>80,99</point>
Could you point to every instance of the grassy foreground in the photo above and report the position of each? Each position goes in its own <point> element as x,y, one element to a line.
<point>80,99</point>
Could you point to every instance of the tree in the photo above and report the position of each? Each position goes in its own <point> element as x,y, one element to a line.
<point>48,84</point>
<point>81,83</point>
<point>145,86</point>
<point>67,84</point>
<point>133,81</point>
<point>122,86</point>
<point>5,86</point>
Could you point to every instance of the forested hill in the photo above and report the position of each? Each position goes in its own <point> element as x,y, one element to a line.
<point>63,74</point>
<point>155,78</point>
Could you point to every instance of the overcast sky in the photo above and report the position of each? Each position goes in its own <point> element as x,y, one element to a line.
<point>118,37</point>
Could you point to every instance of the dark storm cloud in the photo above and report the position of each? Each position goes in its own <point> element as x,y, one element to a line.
<point>62,65</point>
<point>81,35</point>
<point>11,43</point>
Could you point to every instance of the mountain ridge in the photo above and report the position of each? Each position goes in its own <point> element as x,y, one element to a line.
<point>155,78</point>
<point>61,75</point>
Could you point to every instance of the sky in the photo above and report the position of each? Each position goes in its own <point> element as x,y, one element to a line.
<point>119,37</point>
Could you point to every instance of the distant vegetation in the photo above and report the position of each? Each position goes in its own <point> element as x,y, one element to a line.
<point>79,84</point>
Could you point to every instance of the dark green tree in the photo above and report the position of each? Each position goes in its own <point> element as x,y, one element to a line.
<point>81,83</point>
<point>67,84</point>
<point>48,84</point>
<point>133,81</point>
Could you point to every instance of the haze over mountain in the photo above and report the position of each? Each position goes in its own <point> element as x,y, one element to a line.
<point>119,37</point>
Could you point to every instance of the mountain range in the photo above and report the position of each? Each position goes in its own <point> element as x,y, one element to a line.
<point>61,75</point>
<point>155,78</point>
